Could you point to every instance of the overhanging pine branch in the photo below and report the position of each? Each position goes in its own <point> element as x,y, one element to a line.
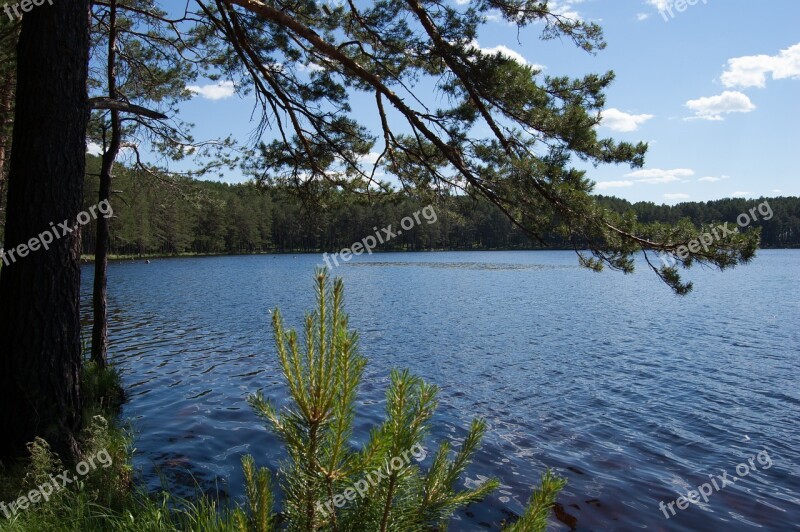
<point>103,102</point>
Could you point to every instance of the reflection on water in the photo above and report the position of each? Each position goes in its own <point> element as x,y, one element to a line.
<point>633,394</point>
<point>463,265</point>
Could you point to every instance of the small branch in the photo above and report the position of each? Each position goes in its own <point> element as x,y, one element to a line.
<point>105,103</point>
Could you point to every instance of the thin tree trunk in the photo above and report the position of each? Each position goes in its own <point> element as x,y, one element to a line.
<point>8,85</point>
<point>40,339</point>
<point>100,302</point>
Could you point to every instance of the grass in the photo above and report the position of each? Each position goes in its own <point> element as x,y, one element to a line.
<point>105,499</point>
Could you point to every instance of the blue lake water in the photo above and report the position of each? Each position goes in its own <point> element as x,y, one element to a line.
<point>633,394</point>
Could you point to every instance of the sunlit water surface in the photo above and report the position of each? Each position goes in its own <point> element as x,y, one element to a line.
<point>633,394</point>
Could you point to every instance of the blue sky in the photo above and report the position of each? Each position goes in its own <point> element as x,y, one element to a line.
<point>713,88</point>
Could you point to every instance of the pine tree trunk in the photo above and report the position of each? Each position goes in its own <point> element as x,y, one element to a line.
<point>8,84</point>
<point>99,296</point>
<point>40,341</point>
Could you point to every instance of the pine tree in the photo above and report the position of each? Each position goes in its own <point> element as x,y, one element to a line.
<point>328,484</point>
<point>537,126</point>
<point>148,58</point>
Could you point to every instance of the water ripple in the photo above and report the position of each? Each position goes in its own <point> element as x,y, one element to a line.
<point>634,395</point>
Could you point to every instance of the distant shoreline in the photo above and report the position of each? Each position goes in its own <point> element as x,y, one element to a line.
<point>89,259</point>
<point>148,256</point>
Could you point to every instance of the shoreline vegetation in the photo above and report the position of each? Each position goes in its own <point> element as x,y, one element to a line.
<point>326,483</point>
<point>89,259</point>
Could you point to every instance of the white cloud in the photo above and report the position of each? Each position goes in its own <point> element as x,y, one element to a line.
<point>713,179</point>
<point>650,176</point>
<point>128,147</point>
<point>660,5</point>
<point>566,9</point>
<point>311,67</point>
<point>505,51</point>
<point>94,148</point>
<point>562,8</point>
<point>642,16</point>
<point>657,176</point>
<point>214,91</point>
<point>740,194</point>
<point>462,2</point>
<point>777,191</point>
<point>613,184</point>
<point>370,158</point>
<point>617,120</point>
<point>677,196</point>
<point>752,70</point>
<point>713,107</point>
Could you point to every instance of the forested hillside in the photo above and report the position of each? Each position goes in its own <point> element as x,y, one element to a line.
<point>174,215</point>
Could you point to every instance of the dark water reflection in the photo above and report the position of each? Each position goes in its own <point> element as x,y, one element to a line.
<point>633,394</point>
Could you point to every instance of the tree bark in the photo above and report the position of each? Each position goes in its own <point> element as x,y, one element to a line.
<point>7,91</point>
<point>8,85</point>
<point>40,340</point>
<point>99,295</point>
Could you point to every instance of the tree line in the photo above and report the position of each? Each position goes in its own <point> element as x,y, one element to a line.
<point>178,215</point>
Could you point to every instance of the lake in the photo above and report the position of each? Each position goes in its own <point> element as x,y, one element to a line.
<point>633,394</point>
